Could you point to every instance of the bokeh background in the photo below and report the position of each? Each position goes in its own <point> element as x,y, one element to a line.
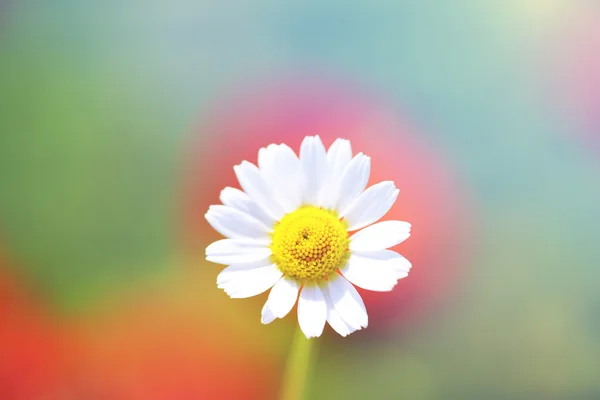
<point>120,121</point>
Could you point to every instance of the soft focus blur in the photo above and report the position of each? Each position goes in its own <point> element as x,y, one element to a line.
<point>120,122</point>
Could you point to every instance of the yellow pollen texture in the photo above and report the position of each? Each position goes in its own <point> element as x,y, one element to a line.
<point>310,243</point>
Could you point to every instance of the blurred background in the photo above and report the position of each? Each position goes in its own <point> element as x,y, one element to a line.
<point>120,122</point>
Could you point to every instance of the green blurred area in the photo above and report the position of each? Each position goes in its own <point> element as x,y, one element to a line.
<point>88,162</point>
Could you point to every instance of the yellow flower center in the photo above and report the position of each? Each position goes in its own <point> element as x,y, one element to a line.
<point>310,243</point>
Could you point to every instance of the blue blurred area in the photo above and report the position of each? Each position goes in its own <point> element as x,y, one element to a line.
<point>98,100</point>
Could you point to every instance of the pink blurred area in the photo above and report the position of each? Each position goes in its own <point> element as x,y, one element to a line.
<point>161,344</point>
<point>576,67</point>
<point>288,109</point>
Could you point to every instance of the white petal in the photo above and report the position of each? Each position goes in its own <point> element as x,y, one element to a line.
<point>281,299</point>
<point>353,181</point>
<point>312,311</point>
<point>235,251</point>
<point>267,315</point>
<point>397,262</point>
<point>378,271</point>
<point>235,198</point>
<point>255,185</point>
<point>241,282</point>
<point>371,205</point>
<point>313,159</point>
<point>232,272</point>
<point>379,236</point>
<point>233,223</point>
<point>338,157</point>
<point>347,302</point>
<point>335,319</point>
<point>281,168</point>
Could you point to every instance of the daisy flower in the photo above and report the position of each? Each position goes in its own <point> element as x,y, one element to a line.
<point>290,230</point>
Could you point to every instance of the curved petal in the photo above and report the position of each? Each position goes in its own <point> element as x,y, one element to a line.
<point>353,181</point>
<point>234,224</point>
<point>236,198</point>
<point>240,282</point>
<point>347,302</point>
<point>397,262</point>
<point>232,272</point>
<point>281,299</point>
<point>255,185</point>
<point>281,168</point>
<point>378,271</point>
<point>234,251</point>
<point>379,236</point>
<point>338,157</point>
<point>334,318</point>
<point>313,160</point>
<point>312,311</point>
<point>267,315</point>
<point>371,205</point>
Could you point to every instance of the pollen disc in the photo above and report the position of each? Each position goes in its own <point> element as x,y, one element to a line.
<point>310,243</point>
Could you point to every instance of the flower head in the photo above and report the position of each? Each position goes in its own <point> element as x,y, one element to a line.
<point>289,230</point>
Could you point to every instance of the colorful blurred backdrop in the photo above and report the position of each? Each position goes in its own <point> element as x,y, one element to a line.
<point>120,121</point>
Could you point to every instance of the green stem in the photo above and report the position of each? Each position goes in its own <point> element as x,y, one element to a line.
<point>297,368</point>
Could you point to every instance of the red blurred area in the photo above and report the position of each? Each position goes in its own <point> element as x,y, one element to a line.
<point>162,348</point>
<point>34,355</point>
<point>156,345</point>
<point>287,110</point>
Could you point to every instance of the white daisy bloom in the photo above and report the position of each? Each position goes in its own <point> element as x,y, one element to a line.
<point>288,231</point>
